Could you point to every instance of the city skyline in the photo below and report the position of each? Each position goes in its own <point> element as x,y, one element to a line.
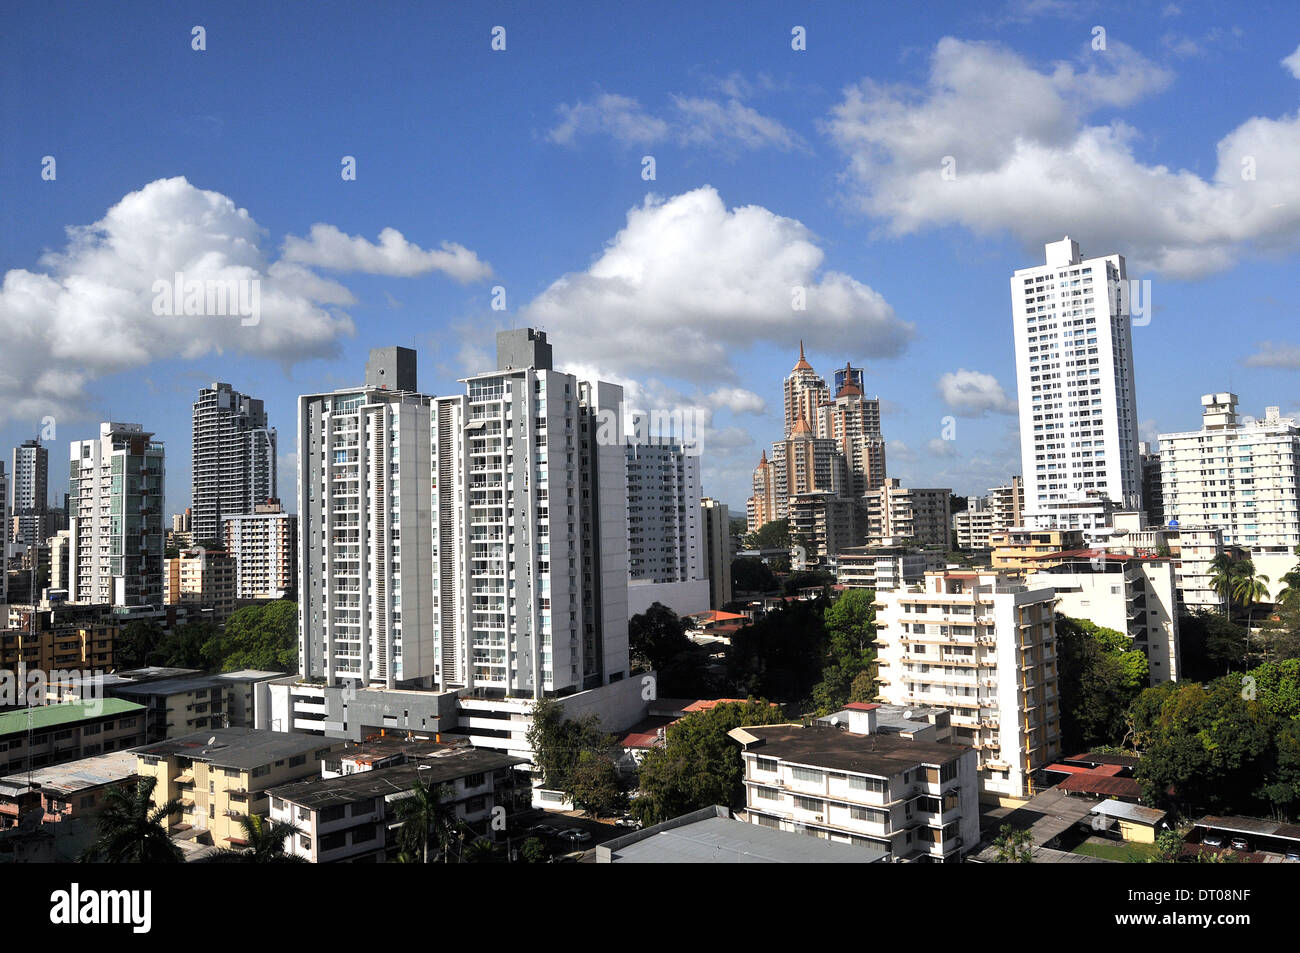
<point>775,168</point>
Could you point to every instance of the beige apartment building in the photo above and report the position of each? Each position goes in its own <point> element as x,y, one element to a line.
<point>222,775</point>
<point>983,647</point>
<point>264,547</point>
<point>1022,548</point>
<point>203,579</point>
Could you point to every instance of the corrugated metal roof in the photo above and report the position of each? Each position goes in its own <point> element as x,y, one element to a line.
<point>1130,812</point>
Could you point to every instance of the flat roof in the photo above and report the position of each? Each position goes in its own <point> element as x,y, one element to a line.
<point>711,836</point>
<point>1130,812</point>
<point>243,748</point>
<point>169,686</point>
<point>1251,825</point>
<point>1091,782</point>
<point>73,776</point>
<point>64,713</point>
<point>320,793</point>
<point>825,747</point>
<point>250,675</point>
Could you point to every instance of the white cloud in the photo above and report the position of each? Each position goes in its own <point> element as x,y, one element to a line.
<point>619,117</point>
<point>1274,354</point>
<point>328,247</point>
<point>89,312</point>
<point>737,400</point>
<point>941,448</point>
<point>687,283</point>
<point>1292,63</point>
<point>688,121</point>
<point>972,393</point>
<point>1033,166</point>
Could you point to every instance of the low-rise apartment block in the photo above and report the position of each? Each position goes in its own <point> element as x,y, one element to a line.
<point>915,800</point>
<point>53,734</point>
<point>222,775</point>
<point>69,797</point>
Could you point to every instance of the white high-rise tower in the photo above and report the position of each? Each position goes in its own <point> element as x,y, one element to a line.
<point>1074,374</point>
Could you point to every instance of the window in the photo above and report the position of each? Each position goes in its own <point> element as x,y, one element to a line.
<point>808,804</point>
<point>874,785</point>
<point>810,775</point>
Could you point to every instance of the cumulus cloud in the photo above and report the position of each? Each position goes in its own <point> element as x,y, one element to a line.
<point>688,282</point>
<point>1292,63</point>
<point>1035,167</point>
<point>687,120</point>
<point>972,394</point>
<point>328,247</point>
<point>737,400</point>
<point>90,309</point>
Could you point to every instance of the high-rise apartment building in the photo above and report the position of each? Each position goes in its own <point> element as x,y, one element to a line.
<point>984,648</point>
<point>805,392</point>
<point>115,527</point>
<point>852,420</point>
<point>1074,375</point>
<point>717,550</point>
<point>1236,474</point>
<point>264,545</point>
<point>667,562</point>
<point>531,536</point>
<point>1153,493</point>
<point>32,522</point>
<point>201,579</point>
<point>365,562</point>
<point>4,535</point>
<point>920,515</point>
<point>234,461</point>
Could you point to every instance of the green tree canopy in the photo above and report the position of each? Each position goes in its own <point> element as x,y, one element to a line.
<point>782,655</point>
<point>751,574</point>
<point>699,765</point>
<point>773,535</point>
<point>657,636</point>
<point>558,743</point>
<point>263,637</point>
<point>1100,674</point>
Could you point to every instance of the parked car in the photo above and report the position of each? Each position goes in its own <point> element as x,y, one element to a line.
<point>1293,856</point>
<point>577,835</point>
<point>1240,843</point>
<point>543,830</point>
<point>631,822</point>
<point>1212,840</point>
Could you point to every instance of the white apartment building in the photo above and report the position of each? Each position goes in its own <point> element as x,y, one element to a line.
<point>115,518</point>
<point>972,526</point>
<point>1192,549</point>
<point>916,800</point>
<point>983,647</point>
<point>531,539</point>
<point>1074,376</point>
<point>1236,474</point>
<point>667,561</point>
<point>885,566</point>
<point>1130,594</point>
<point>234,459</point>
<point>365,580</point>
<point>264,544</point>
<point>4,534</point>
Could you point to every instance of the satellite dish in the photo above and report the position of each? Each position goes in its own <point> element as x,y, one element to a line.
<point>835,719</point>
<point>212,740</point>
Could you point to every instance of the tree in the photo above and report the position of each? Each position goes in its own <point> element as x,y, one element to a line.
<point>533,851</point>
<point>773,535</point>
<point>558,743</point>
<point>265,843</point>
<point>132,830</point>
<point>751,574</point>
<point>594,785</point>
<point>807,579</point>
<point>698,765</point>
<point>481,850</point>
<point>1100,674</point>
<point>1169,847</point>
<point>781,655</point>
<point>136,644</point>
<point>656,636</point>
<point>1013,846</point>
<point>851,652</point>
<point>427,821</point>
<point>261,637</point>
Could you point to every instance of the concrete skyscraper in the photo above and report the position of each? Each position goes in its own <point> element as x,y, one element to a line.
<point>1074,375</point>
<point>115,521</point>
<point>234,462</point>
<point>30,494</point>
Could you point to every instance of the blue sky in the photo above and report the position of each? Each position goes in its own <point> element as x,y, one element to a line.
<point>774,168</point>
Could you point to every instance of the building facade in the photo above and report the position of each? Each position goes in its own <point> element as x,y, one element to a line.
<point>234,459</point>
<point>115,524</point>
<point>30,491</point>
<point>718,552</point>
<point>983,647</point>
<point>264,545</point>
<point>1074,376</point>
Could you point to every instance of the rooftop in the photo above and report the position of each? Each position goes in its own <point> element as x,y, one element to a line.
<point>712,836</point>
<point>242,748</point>
<point>320,793</point>
<point>825,747</point>
<point>1251,825</point>
<point>1129,812</point>
<point>74,775</point>
<point>64,713</point>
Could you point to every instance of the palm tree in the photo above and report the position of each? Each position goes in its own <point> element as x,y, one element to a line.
<point>131,829</point>
<point>1250,589</point>
<point>428,818</point>
<point>265,843</point>
<point>1224,571</point>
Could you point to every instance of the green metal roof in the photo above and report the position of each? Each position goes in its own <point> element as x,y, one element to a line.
<point>64,713</point>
